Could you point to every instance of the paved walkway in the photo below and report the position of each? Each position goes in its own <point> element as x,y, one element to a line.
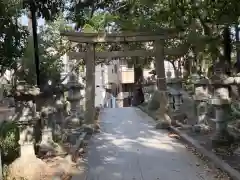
<point>129,148</point>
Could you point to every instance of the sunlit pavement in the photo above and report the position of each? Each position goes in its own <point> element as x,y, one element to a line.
<point>129,148</point>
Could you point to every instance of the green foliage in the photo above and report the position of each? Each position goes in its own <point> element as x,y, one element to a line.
<point>13,36</point>
<point>98,22</point>
<point>9,136</point>
<point>200,23</point>
<point>46,9</point>
<point>81,12</point>
<point>52,47</point>
<point>234,113</point>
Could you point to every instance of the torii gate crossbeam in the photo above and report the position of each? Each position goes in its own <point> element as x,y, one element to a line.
<point>92,38</point>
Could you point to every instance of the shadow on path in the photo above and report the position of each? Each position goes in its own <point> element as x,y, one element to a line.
<point>129,148</point>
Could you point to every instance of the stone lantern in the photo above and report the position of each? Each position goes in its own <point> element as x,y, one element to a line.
<point>46,105</point>
<point>74,97</point>
<point>175,85</point>
<point>201,97</point>
<point>25,97</point>
<point>26,116</point>
<point>221,101</point>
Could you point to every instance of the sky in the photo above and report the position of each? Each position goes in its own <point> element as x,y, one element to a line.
<point>24,21</point>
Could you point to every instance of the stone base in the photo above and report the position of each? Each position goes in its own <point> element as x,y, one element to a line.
<point>88,128</point>
<point>47,143</point>
<point>178,116</point>
<point>201,128</point>
<point>237,152</point>
<point>162,124</point>
<point>51,149</point>
<point>27,168</point>
<point>74,120</point>
<point>97,128</point>
<point>46,147</point>
<point>222,139</point>
<point>164,121</point>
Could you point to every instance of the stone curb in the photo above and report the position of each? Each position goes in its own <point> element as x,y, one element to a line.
<point>234,174</point>
<point>79,144</point>
<point>219,163</point>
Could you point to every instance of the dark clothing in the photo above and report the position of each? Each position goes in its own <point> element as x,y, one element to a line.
<point>138,97</point>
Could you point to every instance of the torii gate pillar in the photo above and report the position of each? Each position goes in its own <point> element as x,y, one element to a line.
<point>90,84</point>
<point>160,70</point>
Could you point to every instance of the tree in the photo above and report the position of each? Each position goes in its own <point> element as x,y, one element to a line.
<point>13,36</point>
<point>80,12</point>
<point>204,24</point>
<point>47,10</point>
<point>52,46</point>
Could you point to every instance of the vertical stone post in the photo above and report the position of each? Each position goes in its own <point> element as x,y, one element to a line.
<point>201,97</point>
<point>90,84</point>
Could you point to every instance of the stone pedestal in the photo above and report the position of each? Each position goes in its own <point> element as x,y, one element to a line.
<point>47,143</point>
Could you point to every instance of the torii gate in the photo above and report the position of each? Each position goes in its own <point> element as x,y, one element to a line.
<point>93,38</point>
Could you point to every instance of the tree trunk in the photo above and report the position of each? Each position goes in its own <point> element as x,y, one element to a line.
<point>238,54</point>
<point>35,41</point>
<point>227,46</point>
<point>138,96</point>
<point>176,72</point>
<point>138,74</point>
<point>187,68</point>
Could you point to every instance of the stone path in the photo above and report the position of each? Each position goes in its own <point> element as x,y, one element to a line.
<point>129,148</point>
